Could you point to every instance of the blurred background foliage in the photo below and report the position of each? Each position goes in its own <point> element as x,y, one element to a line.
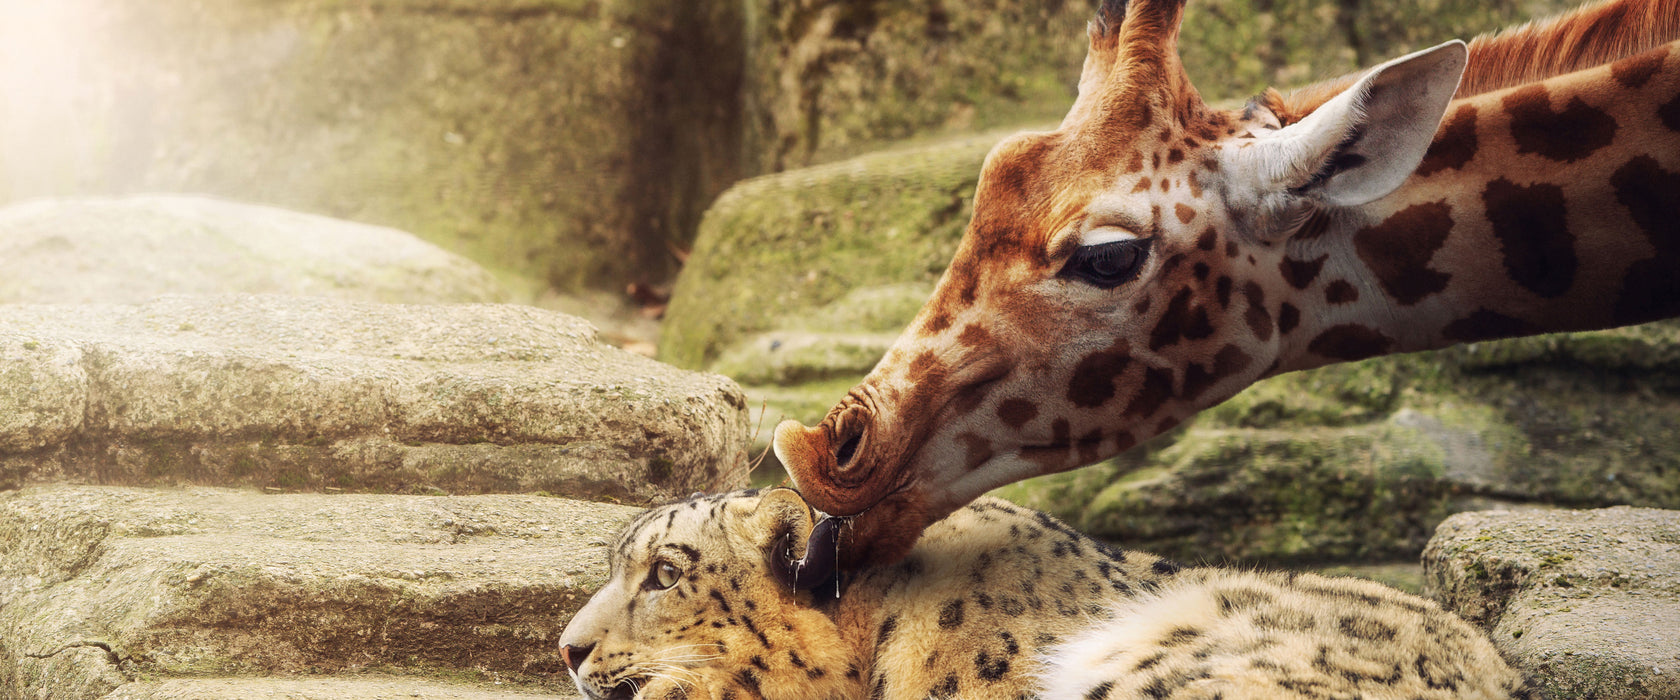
<point>575,144</point>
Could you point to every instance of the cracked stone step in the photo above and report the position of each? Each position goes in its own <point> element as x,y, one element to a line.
<point>315,394</point>
<point>360,688</point>
<point>1586,600</point>
<point>103,586</point>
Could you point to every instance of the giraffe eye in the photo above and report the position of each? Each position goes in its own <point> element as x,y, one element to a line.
<point>665,575</point>
<point>1107,265</point>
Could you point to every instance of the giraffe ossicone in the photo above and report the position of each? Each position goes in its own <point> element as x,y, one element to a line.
<point>1153,256</point>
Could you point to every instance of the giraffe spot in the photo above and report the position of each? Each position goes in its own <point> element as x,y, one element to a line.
<point>1350,342</point>
<point>1230,249</point>
<point>1650,289</point>
<point>1207,240</point>
<point>1166,424</point>
<point>974,335</point>
<point>1634,71</point>
<point>1300,273</point>
<point>1124,441</point>
<point>924,364</point>
<point>1222,291</point>
<point>1288,318</point>
<point>1017,412</point>
<point>1180,321</point>
<point>1142,306</point>
<point>1152,393</point>
<point>1201,271</point>
<point>977,450</point>
<point>938,322</point>
<point>1259,320</point>
<point>1143,185</point>
<point>1195,186</point>
<point>1089,445</point>
<point>1229,361</point>
<point>1092,384</point>
<point>1172,263</point>
<point>1340,292</point>
<point>969,398</point>
<point>1186,213</point>
<point>1175,155</point>
<point>1166,185</point>
<point>966,279</point>
<point>1454,145</point>
<point>1398,250</point>
<point>1669,112</point>
<point>1157,162</point>
<point>1529,222</point>
<point>1487,325</point>
<point>1136,162</point>
<point>1567,136</point>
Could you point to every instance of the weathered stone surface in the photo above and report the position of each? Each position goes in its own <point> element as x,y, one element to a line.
<point>357,688</point>
<point>132,249</point>
<point>100,586</point>
<point>308,393</point>
<point>1587,601</point>
<point>568,141</point>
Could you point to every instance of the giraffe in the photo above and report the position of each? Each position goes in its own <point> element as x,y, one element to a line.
<point>1153,256</point>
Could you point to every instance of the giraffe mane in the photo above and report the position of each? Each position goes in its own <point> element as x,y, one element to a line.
<point>1586,37</point>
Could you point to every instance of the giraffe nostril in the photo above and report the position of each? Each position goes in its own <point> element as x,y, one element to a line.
<point>847,450</point>
<point>574,656</point>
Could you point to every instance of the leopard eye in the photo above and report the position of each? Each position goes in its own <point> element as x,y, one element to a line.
<point>1107,265</point>
<point>665,574</point>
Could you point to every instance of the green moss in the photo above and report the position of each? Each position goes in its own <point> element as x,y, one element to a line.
<point>877,221</point>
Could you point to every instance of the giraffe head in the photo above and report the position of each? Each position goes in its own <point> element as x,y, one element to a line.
<point>1114,280</point>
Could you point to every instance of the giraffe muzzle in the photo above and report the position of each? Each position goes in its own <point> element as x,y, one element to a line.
<point>832,469</point>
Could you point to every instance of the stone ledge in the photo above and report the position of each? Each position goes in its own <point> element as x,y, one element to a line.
<point>1587,601</point>
<point>308,393</point>
<point>357,688</point>
<point>100,586</point>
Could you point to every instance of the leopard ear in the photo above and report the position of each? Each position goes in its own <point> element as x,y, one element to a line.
<point>800,553</point>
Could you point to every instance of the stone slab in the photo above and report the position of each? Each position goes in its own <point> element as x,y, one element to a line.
<point>1587,601</point>
<point>102,586</point>
<point>127,250</point>
<point>369,688</point>
<point>311,393</point>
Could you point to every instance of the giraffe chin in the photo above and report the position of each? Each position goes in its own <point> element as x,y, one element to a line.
<point>883,534</point>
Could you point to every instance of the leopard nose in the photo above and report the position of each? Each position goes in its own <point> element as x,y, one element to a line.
<point>574,655</point>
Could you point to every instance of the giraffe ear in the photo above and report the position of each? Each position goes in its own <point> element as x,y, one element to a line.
<point>1362,144</point>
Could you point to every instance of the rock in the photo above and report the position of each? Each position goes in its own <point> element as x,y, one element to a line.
<point>357,688</point>
<point>135,248</point>
<point>101,586</point>
<point>566,142</point>
<point>310,393</point>
<point>1586,601</point>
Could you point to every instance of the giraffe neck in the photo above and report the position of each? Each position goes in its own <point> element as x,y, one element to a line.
<point>1552,206</point>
